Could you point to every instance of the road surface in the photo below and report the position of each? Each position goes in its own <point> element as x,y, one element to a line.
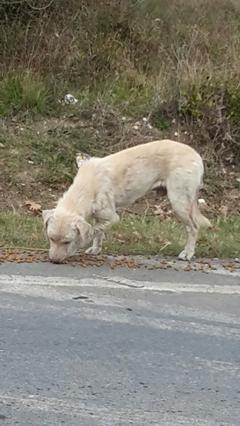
<point>96,347</point>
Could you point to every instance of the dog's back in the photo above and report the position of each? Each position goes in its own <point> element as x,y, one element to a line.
<point>135,171</point>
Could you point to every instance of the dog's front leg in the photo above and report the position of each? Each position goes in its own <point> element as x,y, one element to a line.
<point>106,219</point>
<point>98,237</point>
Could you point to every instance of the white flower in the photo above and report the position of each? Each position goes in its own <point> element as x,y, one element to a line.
<point>201,201</point>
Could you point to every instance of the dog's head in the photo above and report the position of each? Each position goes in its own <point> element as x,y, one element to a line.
<point>66,233</point>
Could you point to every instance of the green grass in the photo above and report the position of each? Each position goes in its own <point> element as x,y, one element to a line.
<point>134,235</point>
<point>24,92</point>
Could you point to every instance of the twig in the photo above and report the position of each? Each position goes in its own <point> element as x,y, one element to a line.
<point>164,246</point>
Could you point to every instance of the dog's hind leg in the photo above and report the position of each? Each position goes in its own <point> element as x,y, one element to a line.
<point>182,196</point>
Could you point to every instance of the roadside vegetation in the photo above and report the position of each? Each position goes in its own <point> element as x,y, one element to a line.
<point>176,64</point>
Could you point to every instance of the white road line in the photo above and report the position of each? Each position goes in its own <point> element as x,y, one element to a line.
<point>182,319</point>
<point>20,283</point>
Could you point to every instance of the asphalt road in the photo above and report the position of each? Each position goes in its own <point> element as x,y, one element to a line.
<point>95,347</point>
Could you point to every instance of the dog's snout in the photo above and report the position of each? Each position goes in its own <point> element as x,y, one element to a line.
<point>56,259</point>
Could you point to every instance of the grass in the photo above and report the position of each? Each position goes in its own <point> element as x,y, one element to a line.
<point>43,157</point>
<point>24,92</point>
<point>170,60</point>
<point>134,235</point>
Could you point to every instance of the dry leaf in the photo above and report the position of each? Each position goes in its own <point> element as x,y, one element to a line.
<point>158,210</point>
<point>33,207</point>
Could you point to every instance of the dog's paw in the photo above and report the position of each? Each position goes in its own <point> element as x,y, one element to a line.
<point>93,250</point>
<point>185,255</point>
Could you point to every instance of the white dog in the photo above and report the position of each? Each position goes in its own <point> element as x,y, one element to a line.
<point>104,184</point>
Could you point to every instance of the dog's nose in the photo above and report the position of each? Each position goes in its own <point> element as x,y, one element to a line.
<point>55,259</point>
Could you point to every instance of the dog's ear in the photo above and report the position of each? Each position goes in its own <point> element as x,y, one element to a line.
<point>46,215</point>
<point>82,158</point>
<point>84,228</point>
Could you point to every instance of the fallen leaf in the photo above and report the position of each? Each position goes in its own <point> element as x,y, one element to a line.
<point>158,210</point>
<point>33,207</point>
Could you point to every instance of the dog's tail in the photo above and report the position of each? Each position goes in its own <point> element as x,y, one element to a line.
<point>198,218</point>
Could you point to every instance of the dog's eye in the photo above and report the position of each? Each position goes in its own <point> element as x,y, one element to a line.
<point>66,242</point>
